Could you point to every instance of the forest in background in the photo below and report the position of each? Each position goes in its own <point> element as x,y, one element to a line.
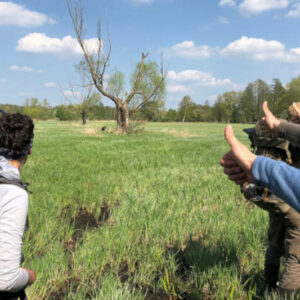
<point>233,106</point>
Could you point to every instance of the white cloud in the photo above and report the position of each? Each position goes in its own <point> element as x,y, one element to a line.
<point>69,93</point>
<point>199,78</point>
<point>3,80</point>
<point>49,84</point>
<point>188,49</point>
<point>24,69</point>
<point>295,11</point>
<point>177,88</point>
<point>40,43</point>
<point>258,6</point>
<point>15,14</point>
<point>21,69</point>
<point>261,50</point>
<point>227,3</point>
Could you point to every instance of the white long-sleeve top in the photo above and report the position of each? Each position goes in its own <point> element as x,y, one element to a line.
<point>13,214</point>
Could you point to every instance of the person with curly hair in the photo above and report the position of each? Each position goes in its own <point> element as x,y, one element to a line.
<point>16,138</point>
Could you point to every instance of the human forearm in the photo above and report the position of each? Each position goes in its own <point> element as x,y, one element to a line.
<point>290,132</point>
<point>31,276</point>
<point>280,178</point>
<point>21,282</point>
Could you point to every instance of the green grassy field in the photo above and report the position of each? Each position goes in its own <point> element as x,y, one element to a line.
<point>148,216</point>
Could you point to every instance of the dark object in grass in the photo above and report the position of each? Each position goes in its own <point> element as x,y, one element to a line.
<point>104,128</point>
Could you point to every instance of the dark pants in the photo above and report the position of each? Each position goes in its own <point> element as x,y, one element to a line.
<point>13,296</point>
<point>283,241</point>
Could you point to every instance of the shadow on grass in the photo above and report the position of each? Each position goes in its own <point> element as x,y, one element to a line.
<point>202,258</point>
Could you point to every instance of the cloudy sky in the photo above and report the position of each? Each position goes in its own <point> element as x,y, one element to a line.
<point>208,46</point>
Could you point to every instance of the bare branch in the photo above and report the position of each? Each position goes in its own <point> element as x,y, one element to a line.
<point>99,50</point>
<point>106,59</point>
<point>138,78</point>
<point>147,99</point>
<point>76,14</point>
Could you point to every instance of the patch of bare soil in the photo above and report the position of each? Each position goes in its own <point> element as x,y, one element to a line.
<point>60,293</point>
<point>150,294</point>
<point>85,220</point>
<point>123,273</point>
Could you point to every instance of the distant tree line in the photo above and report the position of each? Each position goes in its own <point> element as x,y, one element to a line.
<point>232,106</point>
<point>235,107</point>
<point>42,110</point>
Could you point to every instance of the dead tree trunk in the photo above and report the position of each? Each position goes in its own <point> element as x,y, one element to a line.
<point>95,65</point>
<point>83,117</point>
<point>122,118</point>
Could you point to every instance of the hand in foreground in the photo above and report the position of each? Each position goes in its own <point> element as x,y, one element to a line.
<point>238,161</point>
<point>31,276</point>
<point>295,118</point>
<point>269,120</point>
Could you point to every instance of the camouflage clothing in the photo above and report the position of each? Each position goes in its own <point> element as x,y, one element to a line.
<point>284,221</point>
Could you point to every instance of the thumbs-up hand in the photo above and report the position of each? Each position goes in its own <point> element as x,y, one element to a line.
<point>269,120</point>
<point>237,163</point>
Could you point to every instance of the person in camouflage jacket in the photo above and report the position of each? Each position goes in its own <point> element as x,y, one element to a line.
<point>284,221</point>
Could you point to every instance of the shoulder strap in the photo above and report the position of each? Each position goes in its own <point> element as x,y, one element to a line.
<point>20,184</point>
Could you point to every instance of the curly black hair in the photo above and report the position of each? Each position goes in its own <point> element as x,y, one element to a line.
<point>16,134</point>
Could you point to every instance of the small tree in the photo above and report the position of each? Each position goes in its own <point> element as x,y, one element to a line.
<point>82,102</point>
<point>146,82</point>
<point>184,106</point>
<point>38,110</point>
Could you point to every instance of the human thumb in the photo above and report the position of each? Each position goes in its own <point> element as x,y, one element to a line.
<point>239,152</point>
<point>229,136</point>
<point>296,109</point>
<point>266,109</point>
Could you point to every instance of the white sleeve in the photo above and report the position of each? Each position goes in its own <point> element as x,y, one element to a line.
<point>13,213</point>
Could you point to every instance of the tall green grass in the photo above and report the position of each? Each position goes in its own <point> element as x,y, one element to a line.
<point>176,226</point>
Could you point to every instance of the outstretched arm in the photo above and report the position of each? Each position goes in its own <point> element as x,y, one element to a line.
<point>282,179</point>
<point>286,130</point>
<point>241,165</point>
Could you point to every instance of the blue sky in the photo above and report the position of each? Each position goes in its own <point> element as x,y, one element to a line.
<point>208,46</point>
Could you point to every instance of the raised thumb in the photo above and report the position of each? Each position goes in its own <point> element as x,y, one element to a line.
<point>266,109</point>
<point>229,135</point>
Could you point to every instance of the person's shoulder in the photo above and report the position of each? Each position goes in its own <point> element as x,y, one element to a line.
<point>10,193</point>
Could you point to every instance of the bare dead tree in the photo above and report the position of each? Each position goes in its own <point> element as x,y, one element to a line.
<point>95,64</point>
